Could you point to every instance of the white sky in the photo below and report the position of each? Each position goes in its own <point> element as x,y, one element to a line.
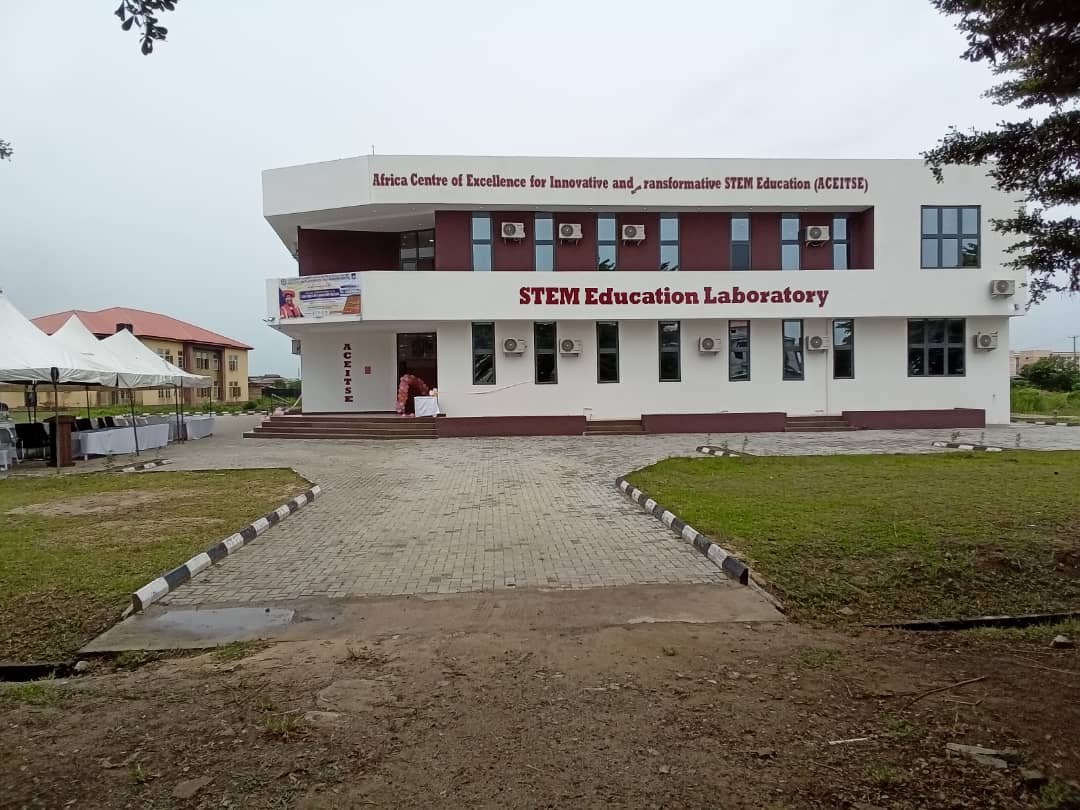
<point>136,179</point>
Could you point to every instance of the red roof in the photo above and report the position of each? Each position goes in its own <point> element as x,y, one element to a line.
<point>146,325</point>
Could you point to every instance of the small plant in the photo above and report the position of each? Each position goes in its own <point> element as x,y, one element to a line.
<point>1055,795</point>
<point>955,435</point>
<point>818,657</point>
<point>137,774</point>
<point>283,725</point>
<point>745,441</point>
<point>265,703</point>
<point>884,775</point>
<point>1017,441</point>
<point>34,693</point>
<point>899,728</point>
<point>235,650</point>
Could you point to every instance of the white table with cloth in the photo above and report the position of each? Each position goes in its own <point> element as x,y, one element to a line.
<point>426,406</point>
<point>198,427</point>
<point>118,441</point>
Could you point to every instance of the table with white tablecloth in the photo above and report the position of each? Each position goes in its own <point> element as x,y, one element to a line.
<point>198,427</point>
<point>426,406</point>
<point>118,441</point>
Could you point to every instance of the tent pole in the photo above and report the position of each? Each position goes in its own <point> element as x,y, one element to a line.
<point>87,387</point>
<point>134,426</point>
<point>179,417</point>
<point>56,426</point>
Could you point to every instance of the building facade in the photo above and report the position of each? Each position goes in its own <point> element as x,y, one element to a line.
<point>691,294</point>
<point>188,346</point>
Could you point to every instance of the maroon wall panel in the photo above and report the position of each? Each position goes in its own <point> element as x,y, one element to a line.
<point>580,255</point>
<point>705,241</point>
<point>861,240</point>
<point>916,420</point>
<point>453,240</point>
<point>765,422</point>
<point>638,255</point>
<point>510,426</point>
<point>815,257</point>
<point>513,254</point>
<point>765,241</point>
<point>346,251</point>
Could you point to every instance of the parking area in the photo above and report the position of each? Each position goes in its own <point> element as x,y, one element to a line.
<point>460,515</point>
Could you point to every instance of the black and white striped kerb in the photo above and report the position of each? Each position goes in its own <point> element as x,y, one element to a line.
<point>732,566</point>
<point>961,446</point>
<point>1041,422</point>
<point>720,451</point>
<point>171,580</point>
<point>146,465</point>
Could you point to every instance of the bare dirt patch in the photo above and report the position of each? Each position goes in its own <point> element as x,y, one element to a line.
<point>650,715</point>
<point>95,504</point>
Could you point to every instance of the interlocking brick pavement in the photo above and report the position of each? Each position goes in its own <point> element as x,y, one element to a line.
<point>453,515</point>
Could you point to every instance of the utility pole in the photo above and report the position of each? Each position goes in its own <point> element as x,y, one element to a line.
<point>1074,337</point>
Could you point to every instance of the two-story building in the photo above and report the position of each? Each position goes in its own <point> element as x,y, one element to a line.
<point>539,294</point>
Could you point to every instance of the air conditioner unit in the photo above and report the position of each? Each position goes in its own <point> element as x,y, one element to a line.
<point>817,233</point>
<point>569,346</point>
<point>570,230</point>
<point>986,341</point>
<point>633,233</point>
<point>515,345</point>
<point>1002,287</point>
<point>818,343</point>
<point>513,230</point>
<point>709,344</point>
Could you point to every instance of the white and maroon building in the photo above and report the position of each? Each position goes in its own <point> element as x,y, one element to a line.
<point>543,294</point>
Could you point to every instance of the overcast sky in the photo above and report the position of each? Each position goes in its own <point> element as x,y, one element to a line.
<point>136,179</point>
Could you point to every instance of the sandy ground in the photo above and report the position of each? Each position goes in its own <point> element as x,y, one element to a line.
<point>525,714</point>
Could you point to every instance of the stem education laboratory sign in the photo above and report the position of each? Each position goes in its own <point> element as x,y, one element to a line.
<point>598,296</point>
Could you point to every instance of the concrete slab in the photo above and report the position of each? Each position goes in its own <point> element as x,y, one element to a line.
<point>162,628</point>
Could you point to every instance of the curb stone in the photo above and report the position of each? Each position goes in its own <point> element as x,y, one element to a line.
<point>171,580</point>
<point>146,465</point>
<point>729,564</point>
<point>1045,422</point>
<point>962,446</point>
<point>709,450</point>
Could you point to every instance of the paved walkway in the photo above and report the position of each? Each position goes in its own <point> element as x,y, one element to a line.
<point>456,515</point>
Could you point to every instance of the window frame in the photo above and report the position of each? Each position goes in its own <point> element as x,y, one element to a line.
<point>845,243</point>
<point>492,351</point>
<point>939,237</point>
<point>670,243</point>
<point>411,255</point>
<point>554,351</point>
<point>731,350</point>
<point>837,349</point>
<point>925,345</point>
<point>602,351</point>
<point>733,242</point>
<point>488,244</point>
<point>677,351</point>
<point>612,243</point>
<point>800,349</point>
<point>796,242</point>
<point>546,243</point>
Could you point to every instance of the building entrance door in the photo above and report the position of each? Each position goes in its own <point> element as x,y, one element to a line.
<point>416,355</point>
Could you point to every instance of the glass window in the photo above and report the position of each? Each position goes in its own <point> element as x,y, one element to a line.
<point>607,351</point>
<point>936,347</point>
<point>790,245</point>
<point>670,339</point>
<point>793,350</point>
<point>605,242</point>
<point>738,350</point>
<point>669,242</point>
<point>843,341</point>
<point>545,258</point>
<point>483,353</point>
<point>425,244</point>
<point>839,228</point>
<point>416,250</point>
<point>839,256</point>
<point>840,242</point>
<point>544,343</point>
<point>544,229</point>
<point>950,237</point>
<point>481,242</point>
<point>740,242</point>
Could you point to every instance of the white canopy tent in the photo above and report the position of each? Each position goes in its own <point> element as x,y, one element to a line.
<point>76,337</point>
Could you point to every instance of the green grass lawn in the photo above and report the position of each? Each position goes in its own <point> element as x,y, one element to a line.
<point>891,537</point>
<point>73,547</point>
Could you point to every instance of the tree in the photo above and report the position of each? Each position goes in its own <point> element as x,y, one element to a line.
<point>1035,45</point>
<point>1054,373</point>
<point>140,13</point>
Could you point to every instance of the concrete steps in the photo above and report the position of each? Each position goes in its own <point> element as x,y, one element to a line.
<point>344,427</point>
<point>817,424</point>
<point>613,427</point>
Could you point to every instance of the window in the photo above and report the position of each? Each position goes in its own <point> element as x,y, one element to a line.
<point>164,393</point>
<point>417,250</point>
<point>215,359</point>
<point>669,242</point>
<point>202,361</point>
<point>793,350</point>
<point>234,390</point>
<point>204,393</point>
<point>607,351</point>
<point>936,347</point>
<point>545,340</point>
<point>670,334</point>
<point>481,242</point>
<point>843,352</point>
<point>165,354</point>
<point>605,242</point>
<point>840,242</point>
<point>738,351</point>
<point>544,232</point>
<point>789,242</point>
<point>483,354</point>
<point>234,362</point>
<point>950,237</point>
<point>740,242</point>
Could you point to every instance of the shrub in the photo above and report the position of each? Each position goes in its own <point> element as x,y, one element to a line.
<point>1052,374</point>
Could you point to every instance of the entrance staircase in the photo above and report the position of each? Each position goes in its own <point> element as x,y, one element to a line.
<point>329,426</point>
<point>613,427</point>
<point>816,424</point>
